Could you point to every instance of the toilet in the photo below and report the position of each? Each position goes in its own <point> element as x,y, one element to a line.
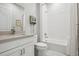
<point>41,48</point>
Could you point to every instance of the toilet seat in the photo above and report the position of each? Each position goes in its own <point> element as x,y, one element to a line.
<point>41,46</point>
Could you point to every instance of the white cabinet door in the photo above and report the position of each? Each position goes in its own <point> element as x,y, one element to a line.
<point>13,52</point>
<point>29,50</point>
<point>16,53</point>
<point>24,50</point>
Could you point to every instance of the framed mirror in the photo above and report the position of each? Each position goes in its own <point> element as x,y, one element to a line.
<point>11,17</point>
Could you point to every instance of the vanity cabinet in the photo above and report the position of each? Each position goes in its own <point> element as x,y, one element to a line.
<point>24,48</point>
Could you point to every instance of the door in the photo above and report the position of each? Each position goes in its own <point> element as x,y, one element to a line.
<point>16,53</point>
<point>29,50</point>
<point>12,52</point>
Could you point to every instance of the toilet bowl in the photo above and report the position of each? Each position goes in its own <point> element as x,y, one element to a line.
<point>41,48</point>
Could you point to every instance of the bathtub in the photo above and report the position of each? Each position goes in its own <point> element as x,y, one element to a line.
<point>56,45</point>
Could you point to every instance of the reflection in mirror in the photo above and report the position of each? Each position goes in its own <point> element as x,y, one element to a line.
<point>11,18</point>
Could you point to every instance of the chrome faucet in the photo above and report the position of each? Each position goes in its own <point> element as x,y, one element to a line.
<point>13,30</point>
<point>45,34</point>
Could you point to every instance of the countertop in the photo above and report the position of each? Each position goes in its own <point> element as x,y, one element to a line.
<point>11,37</point>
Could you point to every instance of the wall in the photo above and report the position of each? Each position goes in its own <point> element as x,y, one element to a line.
<point>38,13</point>
<point>62,25</point>
<point>30,9</point>
<point>15,11</point>
<point>58,23</point>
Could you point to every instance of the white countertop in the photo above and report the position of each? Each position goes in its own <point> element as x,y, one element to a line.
<point>9,37</point>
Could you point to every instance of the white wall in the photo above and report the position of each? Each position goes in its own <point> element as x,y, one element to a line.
<point>64,21</point>
<point>62,24</point>
<point>14,12</point>
<point>30,9</point>
<point>58,22</point>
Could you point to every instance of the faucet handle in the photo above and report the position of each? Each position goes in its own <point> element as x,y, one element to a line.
<point>45,34</point>
<point>13,30</point>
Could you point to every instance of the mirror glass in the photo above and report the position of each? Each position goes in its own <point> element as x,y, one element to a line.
<point>11,17</point>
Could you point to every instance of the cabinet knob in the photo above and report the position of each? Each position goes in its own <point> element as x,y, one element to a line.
<point>22,51</point>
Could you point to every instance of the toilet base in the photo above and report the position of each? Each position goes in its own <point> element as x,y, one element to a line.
<point>50,53</point>
<point>41,52</point>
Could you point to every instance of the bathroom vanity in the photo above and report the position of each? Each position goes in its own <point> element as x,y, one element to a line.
<point>12,25</point>
<point>17,45</point>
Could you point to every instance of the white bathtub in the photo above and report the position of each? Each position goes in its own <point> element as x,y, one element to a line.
<point>57,45</point>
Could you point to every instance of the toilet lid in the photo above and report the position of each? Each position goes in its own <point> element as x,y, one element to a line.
<point>41,44</point>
